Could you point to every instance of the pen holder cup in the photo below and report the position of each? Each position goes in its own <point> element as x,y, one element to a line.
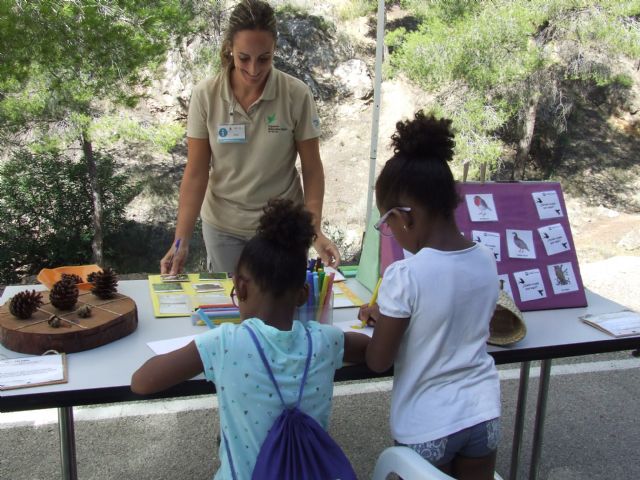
<point>316,312</point>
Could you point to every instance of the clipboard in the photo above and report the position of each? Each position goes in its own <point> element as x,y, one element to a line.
<point>36,371</point>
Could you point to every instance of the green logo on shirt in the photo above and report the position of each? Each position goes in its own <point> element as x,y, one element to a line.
<point>271,119</point>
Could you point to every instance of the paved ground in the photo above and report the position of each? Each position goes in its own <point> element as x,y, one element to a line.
<point>592,427</point>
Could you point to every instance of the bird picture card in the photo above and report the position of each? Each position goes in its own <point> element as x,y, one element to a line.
<point>548,204</point>
<point>554,239</point>
<point>213,276</point>
<point>520,244</point>
<point>562,278</point>
<point>208,287</point>
<point>174,304</point>
<point>481,207</point>
<point>167,287</point>
<point>491,240</point>
<point>187,295</point>
<point>530,285</point>
<point>180,277</point>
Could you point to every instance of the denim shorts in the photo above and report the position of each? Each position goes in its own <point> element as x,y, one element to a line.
<point>474,442</point>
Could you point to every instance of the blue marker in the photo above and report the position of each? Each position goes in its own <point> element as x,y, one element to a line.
<point>310,283</point>
<point>177,244</point>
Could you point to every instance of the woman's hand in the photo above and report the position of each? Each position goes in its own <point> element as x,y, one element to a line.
<point>173,261</point>
<point>369,314</point>
<point>327,251</point>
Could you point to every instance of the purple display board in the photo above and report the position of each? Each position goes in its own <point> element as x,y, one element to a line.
<point>525,225</point>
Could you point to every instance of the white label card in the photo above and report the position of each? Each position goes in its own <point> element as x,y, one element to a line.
<point>520,244</point>
<point>554,239</point>
<point>530,286</point>
<point>547,204</point>
<point>562,278</point>
<point>481,207</point>
<point>232,133</point>
<point>174,304</point>
<point>491,240</point>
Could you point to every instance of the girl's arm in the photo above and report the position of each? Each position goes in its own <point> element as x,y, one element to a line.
<point>313,183</point>
<point>192,190</point>
<point>355,347</point>
<point>387,336</point>
<point>164,371</point>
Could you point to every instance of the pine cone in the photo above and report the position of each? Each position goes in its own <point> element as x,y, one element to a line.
<point>64,294</point>
<point>72,276</point>
<point>91,277</point>
<point>105,284</point>
<point>23,304</point>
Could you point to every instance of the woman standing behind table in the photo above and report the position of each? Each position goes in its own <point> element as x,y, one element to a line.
<point>245,128</point>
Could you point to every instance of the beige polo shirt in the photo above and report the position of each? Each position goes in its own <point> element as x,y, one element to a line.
<point>244,176</point>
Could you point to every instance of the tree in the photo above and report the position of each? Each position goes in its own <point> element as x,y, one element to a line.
<point>66,62</point>
<point>46,210</point>
<point>513,56</point>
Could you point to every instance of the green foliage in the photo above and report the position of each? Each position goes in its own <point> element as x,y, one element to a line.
<point>159,137</point>
<point>506,52</point>
<point>475,123</point>
<point>46,211</point>
<point>351,9</point>
<point>72,54</point>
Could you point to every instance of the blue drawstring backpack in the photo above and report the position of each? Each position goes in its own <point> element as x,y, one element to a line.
<point>297,447</point>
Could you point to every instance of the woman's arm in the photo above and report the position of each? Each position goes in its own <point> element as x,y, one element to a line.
<point>164,371</point>
<point>313,183</point>
<point>192,190</point>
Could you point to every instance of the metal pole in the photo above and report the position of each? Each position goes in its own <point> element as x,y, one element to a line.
<point>375,116</point>
<point>518,427</point>
<point>67,443</point>
<point>541,411</point>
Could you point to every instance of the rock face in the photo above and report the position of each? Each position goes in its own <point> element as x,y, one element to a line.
<point>307,49</point>
<point>354,78</point>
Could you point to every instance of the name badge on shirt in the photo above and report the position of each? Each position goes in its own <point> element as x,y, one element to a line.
<point>232,133</point>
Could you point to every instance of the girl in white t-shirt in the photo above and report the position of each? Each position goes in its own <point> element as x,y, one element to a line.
<point>433,310</point>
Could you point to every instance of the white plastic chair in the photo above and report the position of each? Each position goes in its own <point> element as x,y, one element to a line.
<point>409,465</point>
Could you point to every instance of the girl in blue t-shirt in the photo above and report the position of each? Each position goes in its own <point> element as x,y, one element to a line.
<point>433,310</point>
<point>269,283</point>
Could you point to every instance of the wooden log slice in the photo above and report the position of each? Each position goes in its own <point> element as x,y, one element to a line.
<point>110,320</point>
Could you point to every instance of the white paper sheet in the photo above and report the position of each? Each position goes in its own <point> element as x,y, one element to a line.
<point>491,240</point>
<point>169,345</point>
<point>26,371</point>
<point>530,286</point>
<point>353,326</point>
<point>548,204</point>
<point>554,239</point>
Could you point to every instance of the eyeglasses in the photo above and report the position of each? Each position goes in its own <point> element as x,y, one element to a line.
<point>381,225</point>
<point>234,293</point>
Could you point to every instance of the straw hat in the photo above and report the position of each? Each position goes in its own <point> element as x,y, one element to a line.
<point>507,323</point>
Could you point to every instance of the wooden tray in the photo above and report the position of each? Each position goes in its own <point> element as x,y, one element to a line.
<point>110,320</point>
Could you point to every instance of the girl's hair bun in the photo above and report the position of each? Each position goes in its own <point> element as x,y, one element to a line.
<point>287,225</point>
<point>425,137</point>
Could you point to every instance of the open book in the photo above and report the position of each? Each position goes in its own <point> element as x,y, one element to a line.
<point>619,324</point>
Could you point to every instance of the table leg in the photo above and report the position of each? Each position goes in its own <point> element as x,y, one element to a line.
<point>518,427</point>
<point>67,443</point>
<point>541,411</point>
